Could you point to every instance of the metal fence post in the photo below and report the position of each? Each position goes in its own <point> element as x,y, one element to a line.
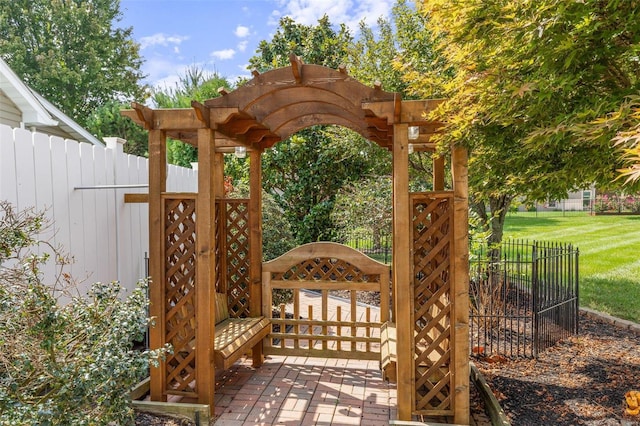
<point>534,290</point>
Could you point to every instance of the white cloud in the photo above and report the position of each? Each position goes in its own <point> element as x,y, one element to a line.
<point>242,31</point>
<point>161,39</point>
<point>242,46</point>
<point>274,18</point>
<point>349,12</point>
<point>223,54</point>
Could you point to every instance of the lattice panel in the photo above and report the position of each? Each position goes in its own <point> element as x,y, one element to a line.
<point>233,239</point>
<point>325,269</point>
<point>180,269</point>
<point>432,246</point>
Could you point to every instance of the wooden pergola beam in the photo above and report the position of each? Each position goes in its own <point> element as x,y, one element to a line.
<point>415,113</point>
<point>296,67</point>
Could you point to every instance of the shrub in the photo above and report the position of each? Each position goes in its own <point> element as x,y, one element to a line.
<point>71,364</point>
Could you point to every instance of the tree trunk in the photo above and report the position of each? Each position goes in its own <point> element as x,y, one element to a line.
<point>499,208</point>
<point>493,220</point>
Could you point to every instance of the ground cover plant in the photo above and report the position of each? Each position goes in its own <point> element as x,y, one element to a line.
<point>609,263</point>
<point>70,363</point>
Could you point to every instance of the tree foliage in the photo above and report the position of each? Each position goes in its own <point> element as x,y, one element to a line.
<point>71,364</point>
<point>71,52</point>
<point>316,44</point>
<point>106,121</point>
<point>304,172</point>
<point>196,84</point>
<point>529,82</point>
<point>365,207</point>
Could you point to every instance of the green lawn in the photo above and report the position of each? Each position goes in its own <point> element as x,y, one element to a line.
<point>609,255</point>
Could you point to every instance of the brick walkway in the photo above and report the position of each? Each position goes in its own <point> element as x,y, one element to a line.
<point>304,391</point>
<point>307,391</point>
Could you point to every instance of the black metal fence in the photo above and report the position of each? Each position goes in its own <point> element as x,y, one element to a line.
<point>524,297</point>
<point>378,249</point>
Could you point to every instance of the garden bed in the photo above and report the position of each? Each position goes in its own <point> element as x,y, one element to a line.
<point>579,381</point>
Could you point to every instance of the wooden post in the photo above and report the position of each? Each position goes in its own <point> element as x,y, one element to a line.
<point>460,293</point>
<point>218,175</point>
<point>403,297</point>
<point>157,185</point>
<point>205,268</point>
<point>438,174</point>
<point>255,243</point>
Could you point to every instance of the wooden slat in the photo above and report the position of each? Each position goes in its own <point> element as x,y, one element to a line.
<point>328,250</point>
<point>318,353</point>
<point>414,112</point>
<point>320,337</point>
<point>157,185</point>
<point>327,323</point>
<point>460,291</point>
<point>402,272</point>
<point>438,174</point>
<point>255,230</point>
<point>322,285</point>
<point>255,244</point>
<point>205,274</point>
<point>136,198</point>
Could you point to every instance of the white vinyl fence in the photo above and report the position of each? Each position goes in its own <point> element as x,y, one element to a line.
<point>80,187</point>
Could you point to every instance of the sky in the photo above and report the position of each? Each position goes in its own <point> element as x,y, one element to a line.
<point>221,35</point>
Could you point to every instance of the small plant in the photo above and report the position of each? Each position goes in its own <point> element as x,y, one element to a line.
<point>632,204</point>
<point>487,291</point>
<point>63,364</point>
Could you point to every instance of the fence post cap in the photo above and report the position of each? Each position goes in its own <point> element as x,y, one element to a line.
<point>115,143</point>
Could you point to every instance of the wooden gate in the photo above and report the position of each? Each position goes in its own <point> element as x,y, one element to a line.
<point>327,328</point>
<point>432,236</point>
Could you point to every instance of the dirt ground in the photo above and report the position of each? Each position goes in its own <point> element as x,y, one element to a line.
<point>579,381</point>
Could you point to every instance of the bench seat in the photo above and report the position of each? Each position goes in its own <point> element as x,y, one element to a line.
<point>236,336</point>
<point>388,351</point>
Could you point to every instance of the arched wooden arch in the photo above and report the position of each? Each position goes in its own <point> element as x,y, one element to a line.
<point>430,253</point>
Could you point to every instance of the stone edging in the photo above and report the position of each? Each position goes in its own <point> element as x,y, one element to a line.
<point>624,324</point>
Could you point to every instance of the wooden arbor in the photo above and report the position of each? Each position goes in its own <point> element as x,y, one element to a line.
<point>189,259</point>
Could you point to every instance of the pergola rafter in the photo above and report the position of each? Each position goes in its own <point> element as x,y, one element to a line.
<point>430,277</point>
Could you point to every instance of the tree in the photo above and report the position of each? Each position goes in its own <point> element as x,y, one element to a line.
<point>530,81</point>
<point>365,206</point>
<point>106,121</point>
<point>196,84</point>
<point>71,52</point>
<point>395,54</point>
<point>319,44</point>
<point>304,172</point>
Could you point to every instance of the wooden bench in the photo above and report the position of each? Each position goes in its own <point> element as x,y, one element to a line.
<point>388,354</point>
<point>236,336</point>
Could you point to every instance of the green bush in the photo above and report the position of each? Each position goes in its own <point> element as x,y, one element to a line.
<point>63,364</point>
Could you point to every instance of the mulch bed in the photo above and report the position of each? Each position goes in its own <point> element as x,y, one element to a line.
<point>579,381</point>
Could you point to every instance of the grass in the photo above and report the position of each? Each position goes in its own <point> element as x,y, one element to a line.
<point>609,255</point>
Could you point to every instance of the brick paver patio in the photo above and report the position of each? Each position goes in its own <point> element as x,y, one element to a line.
<point>290,390</point>
<point>304,391</point>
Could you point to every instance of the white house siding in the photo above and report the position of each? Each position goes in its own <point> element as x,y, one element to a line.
<point>10,115</point>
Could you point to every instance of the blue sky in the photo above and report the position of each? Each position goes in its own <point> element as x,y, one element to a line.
<point>221,35</point>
